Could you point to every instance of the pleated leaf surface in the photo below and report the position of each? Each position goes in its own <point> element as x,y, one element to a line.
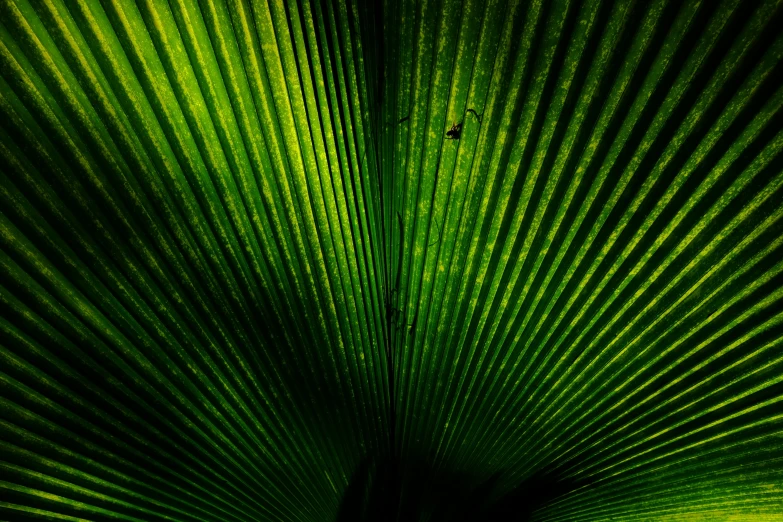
<point>529,252</point>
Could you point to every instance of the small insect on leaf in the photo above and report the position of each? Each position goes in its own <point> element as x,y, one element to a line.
<point>454,132</point>
<point>456,128</point>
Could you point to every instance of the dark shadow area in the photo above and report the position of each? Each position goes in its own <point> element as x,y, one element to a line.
<point>382,491</point>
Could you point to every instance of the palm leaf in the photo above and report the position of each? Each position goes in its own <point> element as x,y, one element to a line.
<point>419,260</point>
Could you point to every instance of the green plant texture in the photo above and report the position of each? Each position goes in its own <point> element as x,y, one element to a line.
<point>416,260</point>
